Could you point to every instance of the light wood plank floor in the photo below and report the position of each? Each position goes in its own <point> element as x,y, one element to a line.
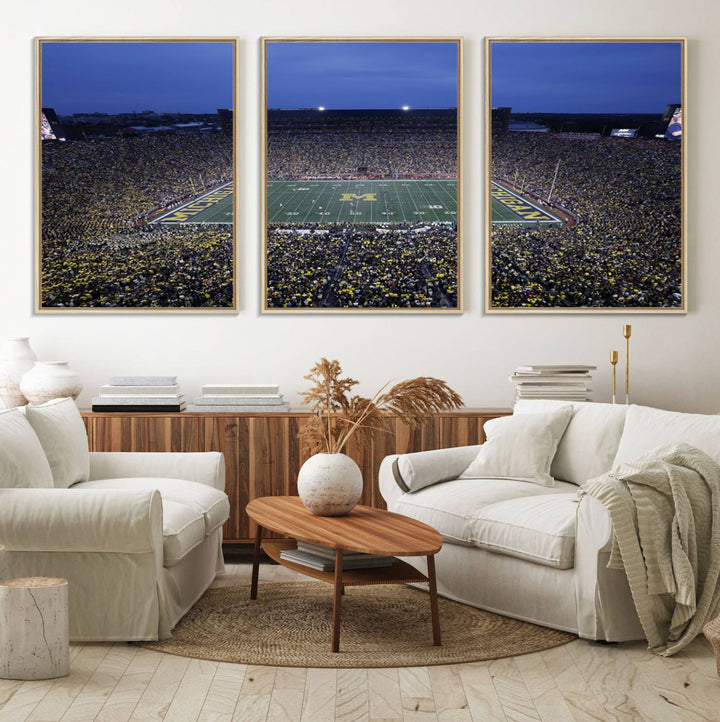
<point>580,681</point>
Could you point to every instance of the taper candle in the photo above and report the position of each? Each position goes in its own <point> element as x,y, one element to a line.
<point>613,361</point>
<point>627,331</point>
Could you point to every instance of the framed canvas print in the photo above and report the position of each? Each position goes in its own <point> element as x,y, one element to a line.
<point>361,174</point>
<point>136,174</point>
<point>585,175</point>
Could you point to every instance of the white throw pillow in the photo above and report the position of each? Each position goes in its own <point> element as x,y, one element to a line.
<point>520,447</point>
<point>424,468</point>
<point>647,428</point>
<point>590,442</point>
<point>61,431</point>
<point>22,460</point>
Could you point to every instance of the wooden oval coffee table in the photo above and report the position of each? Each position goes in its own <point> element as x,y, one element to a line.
<point>364,529</point>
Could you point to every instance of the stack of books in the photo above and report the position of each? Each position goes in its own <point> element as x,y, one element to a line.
<point>564,382</point>
<point>240,398</point>
<point>140,393</point>
<point>322,558</point>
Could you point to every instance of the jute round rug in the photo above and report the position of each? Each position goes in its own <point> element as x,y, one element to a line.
<point>289,625</point>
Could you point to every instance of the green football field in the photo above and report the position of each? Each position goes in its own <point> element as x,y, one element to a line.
<point>362,201</point>
<point>510,207</point>
<point>216,206</point>
<point>330,201</point>
<point>221,212</point>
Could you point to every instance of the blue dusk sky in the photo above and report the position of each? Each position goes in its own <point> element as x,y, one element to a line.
<point>122,77</point>
<point>351,75</point>
<point>586,77</point>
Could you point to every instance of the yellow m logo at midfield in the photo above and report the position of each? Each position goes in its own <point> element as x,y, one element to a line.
<point>355,197</point>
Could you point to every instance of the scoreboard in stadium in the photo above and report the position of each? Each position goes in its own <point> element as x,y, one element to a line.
<point>624,132</point>
<point>50,127</point>
<point>674,129</point>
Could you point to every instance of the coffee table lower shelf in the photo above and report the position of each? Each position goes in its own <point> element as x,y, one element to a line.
<point>399,572</point>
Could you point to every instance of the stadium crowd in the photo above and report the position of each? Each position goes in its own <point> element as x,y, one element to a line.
<point>339,265</point>
<point>625,249</point>
<point>156,266</point>
<point>339,154</point>
<point>356,265</point>
<point>97,198</point>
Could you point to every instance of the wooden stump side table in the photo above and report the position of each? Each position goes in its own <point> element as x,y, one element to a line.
<point>364,529</point>
<point>34,628</point>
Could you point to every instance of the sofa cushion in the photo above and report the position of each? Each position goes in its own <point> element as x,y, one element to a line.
<point>453,508</point>
<point>62,434</point>
<point>647,428</point>
<point>22,460</point>
<point>211,503</point>
<point>540,529</point>
<point>183,530</point>
<point>591,439</point>
<point>520,447</point>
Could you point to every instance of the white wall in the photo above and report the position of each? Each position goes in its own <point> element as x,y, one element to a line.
<point>674,357</point>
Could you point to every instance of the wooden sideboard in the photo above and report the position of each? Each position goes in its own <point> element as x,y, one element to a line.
<point>262,452</point>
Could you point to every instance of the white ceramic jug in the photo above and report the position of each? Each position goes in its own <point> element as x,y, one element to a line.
<point>16,358</point>
<point>49,380</point>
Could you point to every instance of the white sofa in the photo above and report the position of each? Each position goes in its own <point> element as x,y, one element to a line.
<point>138,536</point>
<point>539,553</point>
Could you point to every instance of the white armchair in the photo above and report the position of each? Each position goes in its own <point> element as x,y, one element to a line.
<point>137,536</point>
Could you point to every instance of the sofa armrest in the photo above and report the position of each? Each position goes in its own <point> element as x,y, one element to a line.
<point>604,602</point>
<point>594,525</point>
<point>80,520</point>
<point>593,537</point>
<point>389,489</point>
<point>207,467</point>
<point>403,473</point>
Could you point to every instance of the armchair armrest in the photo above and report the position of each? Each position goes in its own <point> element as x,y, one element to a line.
<point>80,520</point>
<point>402,473</point>
<point>206,467</point>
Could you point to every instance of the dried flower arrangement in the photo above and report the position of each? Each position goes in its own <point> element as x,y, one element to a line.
<point>338,415</point>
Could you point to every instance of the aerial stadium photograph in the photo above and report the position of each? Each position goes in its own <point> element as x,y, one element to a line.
<point>361,174</point>
<point>585,182</point>
<point>136,175</point>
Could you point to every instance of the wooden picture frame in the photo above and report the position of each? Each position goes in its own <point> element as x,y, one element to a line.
<point>136,147</point>
<point>585,177</point>
<point>362,175</point>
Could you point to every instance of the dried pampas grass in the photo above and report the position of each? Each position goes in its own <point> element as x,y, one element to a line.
<point>339,415</point>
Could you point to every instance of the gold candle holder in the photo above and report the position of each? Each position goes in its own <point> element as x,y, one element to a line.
<point>627,331</point>
<point>613,361</point>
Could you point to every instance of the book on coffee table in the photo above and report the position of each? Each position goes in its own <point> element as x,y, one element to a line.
<point>351,560</point>
<point>329,553</point>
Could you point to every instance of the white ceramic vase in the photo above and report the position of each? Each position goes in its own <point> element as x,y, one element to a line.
<point>16,358</point>
<point>49,380</point>
<point>330,484</point>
